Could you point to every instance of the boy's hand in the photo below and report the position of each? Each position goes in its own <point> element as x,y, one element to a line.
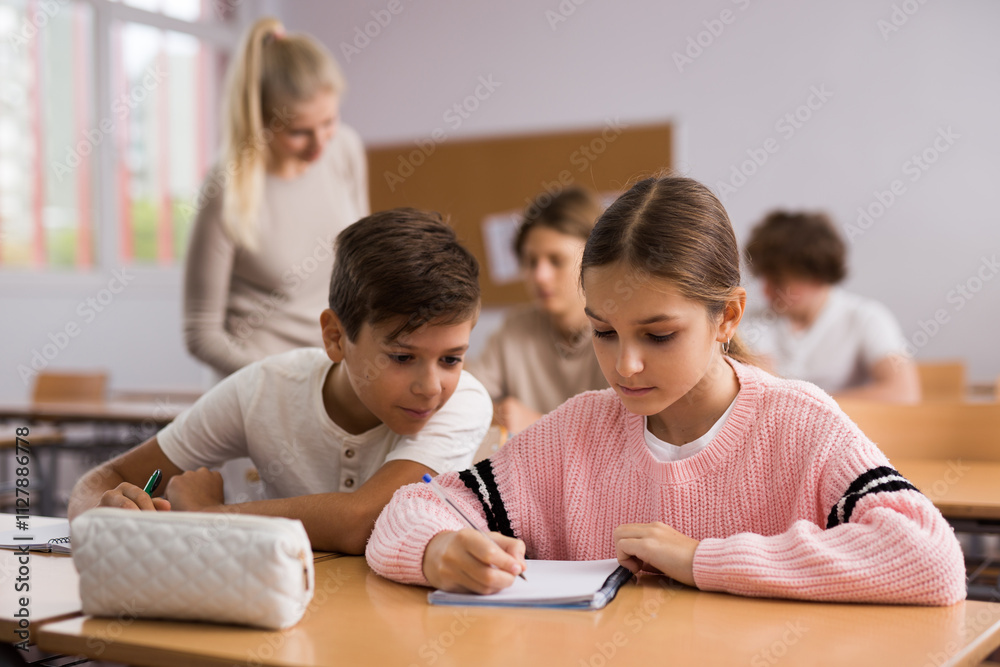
<point>196,491</point>
<point>467,561</point>
<point>656,547</point>
<point>132,497</point>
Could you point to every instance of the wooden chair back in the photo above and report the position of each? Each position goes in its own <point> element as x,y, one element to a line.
<point>930,430</point>
<point>70,387</point>
<point>942,380</point>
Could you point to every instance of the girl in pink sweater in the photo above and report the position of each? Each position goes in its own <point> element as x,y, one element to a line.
<point>695,463</point>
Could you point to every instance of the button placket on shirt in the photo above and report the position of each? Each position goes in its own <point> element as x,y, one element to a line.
<point>350,469</point>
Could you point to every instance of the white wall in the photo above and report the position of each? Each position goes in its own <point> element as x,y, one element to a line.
<point>891,92</point>
<point>608,60</point>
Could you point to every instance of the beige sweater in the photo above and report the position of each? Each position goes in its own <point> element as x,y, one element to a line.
<point>242,305</point>
<point>523,359</point>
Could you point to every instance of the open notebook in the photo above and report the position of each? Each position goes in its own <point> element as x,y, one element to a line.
<point>52,538</point>
<point>551,584</point>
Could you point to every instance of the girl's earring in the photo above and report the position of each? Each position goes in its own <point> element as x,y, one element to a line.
<point>725,346</point>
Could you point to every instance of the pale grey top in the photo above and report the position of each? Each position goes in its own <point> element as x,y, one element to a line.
<point>242,305</point>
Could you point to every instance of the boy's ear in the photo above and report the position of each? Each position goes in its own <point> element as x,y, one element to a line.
<point>732,313</point>
<point>334,336</point>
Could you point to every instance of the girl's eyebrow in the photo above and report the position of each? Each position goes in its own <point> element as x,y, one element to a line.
<point>655,319</point>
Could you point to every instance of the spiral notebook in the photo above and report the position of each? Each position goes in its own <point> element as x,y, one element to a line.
<point>551,584</point>
<point>53,538</point>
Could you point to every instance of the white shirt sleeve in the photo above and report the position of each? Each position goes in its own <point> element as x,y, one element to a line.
<point>211,431</point>
<point>881,335</point>
<point>757,333</point>
<point>451,437</point>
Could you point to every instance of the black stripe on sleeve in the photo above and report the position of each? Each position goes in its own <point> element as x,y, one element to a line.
<point>893,481</point>
<point>895,485</point>
<point>472,483</point>
<point>870,476</point>
<point>485,469</point>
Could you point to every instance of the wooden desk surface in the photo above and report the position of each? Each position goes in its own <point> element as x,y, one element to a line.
<point>157,412</point>
<point>53,585</point>
<point>959,488</point>
<point>359,618</point>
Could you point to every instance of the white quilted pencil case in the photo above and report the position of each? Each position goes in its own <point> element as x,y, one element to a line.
<point>223,568</point>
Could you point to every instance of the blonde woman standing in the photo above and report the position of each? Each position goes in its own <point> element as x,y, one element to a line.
<point>290,178</point>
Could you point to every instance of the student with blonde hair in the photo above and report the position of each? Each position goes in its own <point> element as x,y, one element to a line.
<point>290,178</point>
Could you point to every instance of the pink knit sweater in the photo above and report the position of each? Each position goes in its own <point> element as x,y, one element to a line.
<point>789,500</point>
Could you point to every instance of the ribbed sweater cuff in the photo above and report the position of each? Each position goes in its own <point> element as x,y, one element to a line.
<point>397,545</point>
<point>708,576</point>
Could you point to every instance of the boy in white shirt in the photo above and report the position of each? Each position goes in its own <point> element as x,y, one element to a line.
<point>334,432</point>
<point>848,345</point>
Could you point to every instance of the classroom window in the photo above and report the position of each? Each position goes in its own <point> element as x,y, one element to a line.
<point>101,166</point>
<point>161,99</point>
<point>46,102</point>
<point>185,10</point>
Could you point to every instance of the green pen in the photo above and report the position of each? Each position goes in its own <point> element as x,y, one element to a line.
<point>154,481</point>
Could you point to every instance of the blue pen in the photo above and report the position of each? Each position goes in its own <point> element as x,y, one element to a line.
<point>446,499</point>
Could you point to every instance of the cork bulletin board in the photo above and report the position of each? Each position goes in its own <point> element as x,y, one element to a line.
<point>478,182</point>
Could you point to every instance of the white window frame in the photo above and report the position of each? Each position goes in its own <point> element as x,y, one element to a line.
<point>156,281</point>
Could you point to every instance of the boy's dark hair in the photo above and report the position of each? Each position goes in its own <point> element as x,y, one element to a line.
<point>572,211</point>
<point>402,263</point>
<point>799,245</point>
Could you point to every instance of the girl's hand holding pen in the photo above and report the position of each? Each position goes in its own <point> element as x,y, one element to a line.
<point>467,561</point>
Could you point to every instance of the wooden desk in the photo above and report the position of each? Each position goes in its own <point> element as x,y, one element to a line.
<point>360,618</point>
<point>960,489</point>
<point>54,585</point>
<point>120,412</point>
